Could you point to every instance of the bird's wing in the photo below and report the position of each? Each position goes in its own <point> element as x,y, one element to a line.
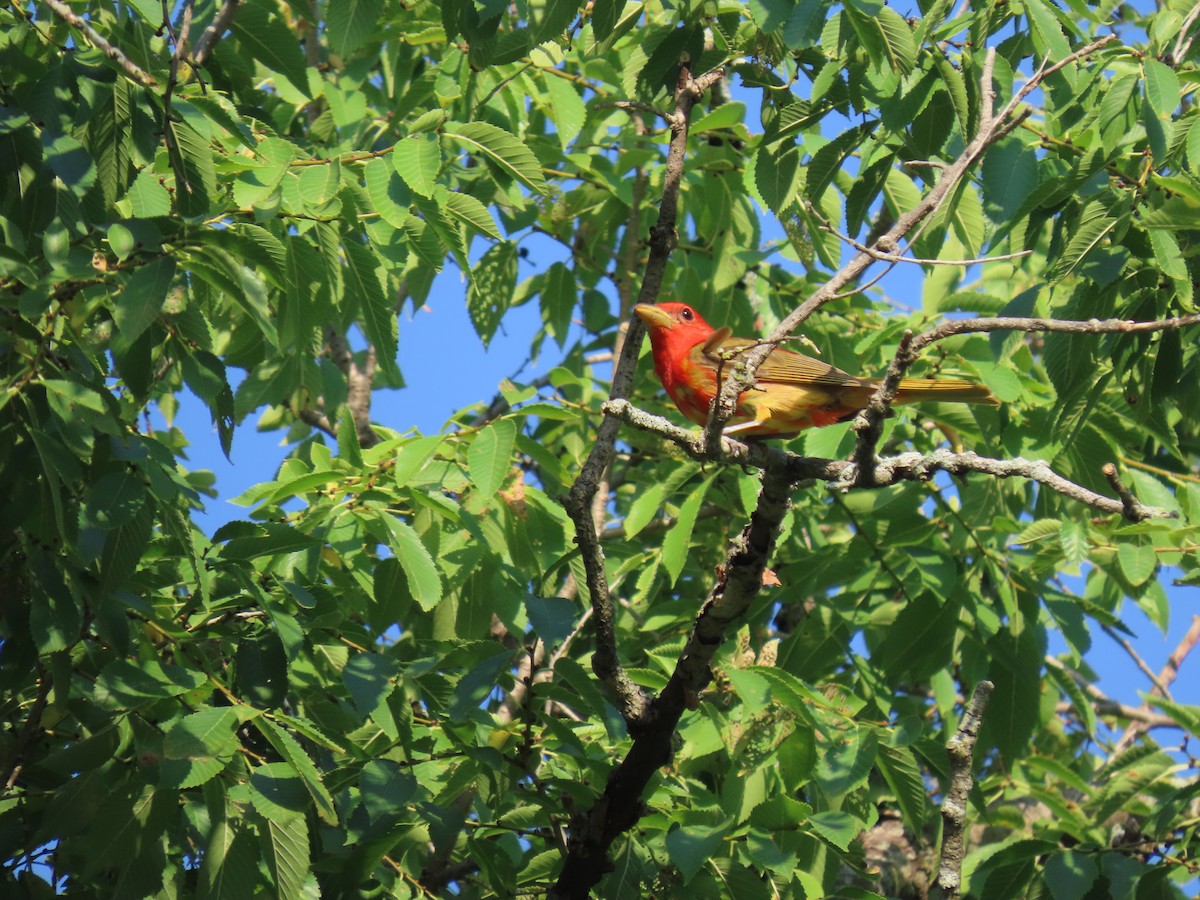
<point>781,367</point>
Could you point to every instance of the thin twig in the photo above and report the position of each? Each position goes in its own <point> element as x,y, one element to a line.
<point>842,475</point>
<point>1163,689</point>
<point>993,127</point>
<point>826,225</point>
<point>97,40</point>
<point>217,27</point>
<point>961,750</point>
<point>1183,43</point>
<point>1165,678</point>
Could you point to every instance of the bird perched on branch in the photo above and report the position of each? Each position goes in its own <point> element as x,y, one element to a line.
<point>792,392</point>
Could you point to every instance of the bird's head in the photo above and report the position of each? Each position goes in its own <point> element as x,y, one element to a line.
<point>673,323</point>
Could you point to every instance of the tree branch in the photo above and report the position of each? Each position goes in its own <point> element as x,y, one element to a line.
<point>217,27</point>
<point>961,750</point>
<point>631,699</point>
<point>618,809</point>
<point>842,475</point>
<point>1165,678</point>
<point>992,127</point>
<point>97,40</point>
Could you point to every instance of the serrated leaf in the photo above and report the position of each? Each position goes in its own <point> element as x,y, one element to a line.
<point>898,43</point>
<point>199,746</point>
<point>417,160</point>
<point>286,852</point>
<point>1048,35</point>
<point>825,163</point>
<point>350,23</point>
<point>293,754</point>
<point>141,300</point>
<point>565,107</point>
<point>489,458</point>
<point>472,213</point>
<point>776,174</point>
<point>389,194</point>
<point>266,39</point>
<point>838,828</point>
<point>493,281</point>
<point>1162,88</point>
<point>1039,530</point>
<point>690,848</point>
<point>379,314</point>
<point>504,150</point>
<point>1094,225</point>
<point>424,582</point>
<point>557,300</point>
<point>1070,875</point>
<point>899,768</point>
<point>1074,538</point>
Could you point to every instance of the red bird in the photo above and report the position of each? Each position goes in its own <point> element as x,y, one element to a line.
<point>792,391</point>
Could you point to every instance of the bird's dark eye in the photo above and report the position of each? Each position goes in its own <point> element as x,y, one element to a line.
<point>686,314</point>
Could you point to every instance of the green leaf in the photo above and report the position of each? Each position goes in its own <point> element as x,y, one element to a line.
<point>423,580</point>
<point>1010,176</point>
<point>690,848</point>
<point>552,618</point>
<point>385,787</point>
<point>351,23</point>
<point>370,678</point>
<point>556,17</point>
<point>412,457</point>
<point>142,298</point>
<point>838,828</point>
<point>1162,88</point>
<point>472,213</point>
<point>675,544</point>
<point>566,108</point>
<point>1048,37</point>
<point>114,499</point>
<point>846,757</point>
<point>1070,875</point>
<point>489,457</point>
<point>605,15</point>
<point>378,312</point>
<point>493,281</point>
<point>123,684</point>
<point>230,865</point>
<point>1137,561</point>
<point>199,746</point>
<point>776,174</point>
<point>293,754</point>
<point>827,161</point>
<point>899,768</point>
<point>267,40</point>
<point>1094,226</point>
<point>501,149</point>
<point>417,160</point>
<point>558,297</point>
<point>899,46</point>
<point>286,852</point>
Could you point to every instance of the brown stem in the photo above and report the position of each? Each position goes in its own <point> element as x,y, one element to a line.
<point>631,700</point>
<point>97,40</point>
<point>618,809</point>
<point>1165,678</point>
<point>217,27</point>
<point>961,750</point>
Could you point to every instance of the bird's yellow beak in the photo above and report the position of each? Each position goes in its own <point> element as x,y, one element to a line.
<point>653,316</point>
